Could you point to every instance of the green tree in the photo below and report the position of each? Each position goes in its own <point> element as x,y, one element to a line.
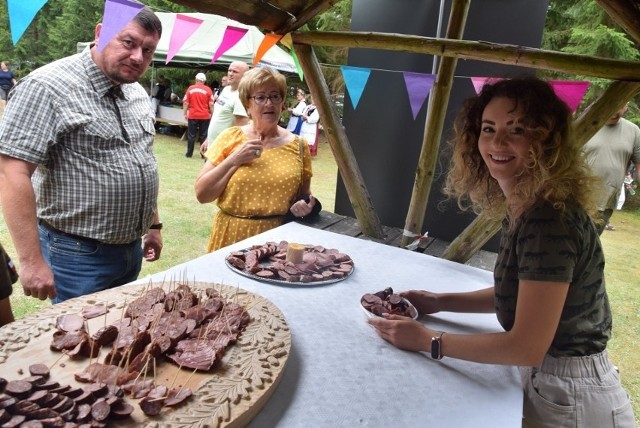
<point>583,27</point>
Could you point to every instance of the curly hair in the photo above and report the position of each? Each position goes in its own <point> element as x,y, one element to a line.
<point>257,77</point>
<point>556,170</point>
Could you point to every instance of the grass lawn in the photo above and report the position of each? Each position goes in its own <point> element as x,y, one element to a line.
<point>187,226</point>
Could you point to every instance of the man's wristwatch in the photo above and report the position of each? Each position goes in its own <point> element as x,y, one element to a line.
<point>157,226</point>
<point>436,346</point>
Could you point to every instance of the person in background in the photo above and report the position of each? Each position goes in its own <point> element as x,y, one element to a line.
<point>309,128</point>
<point>227,108</point>
<point>161,93</point>
<point>609,153</point>
<point>197,104</point>
<point>7,80</point>
<point>295,120</point>
<point>224,82</point>
<point>79,185</point>
<point>258,172</point>
<point>514,158</point>
<point>8,276</point>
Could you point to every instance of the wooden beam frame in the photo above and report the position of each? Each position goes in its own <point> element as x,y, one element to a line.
<point>481,51</point>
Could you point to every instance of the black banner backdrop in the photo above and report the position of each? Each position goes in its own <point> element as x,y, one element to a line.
<point>386,140</point>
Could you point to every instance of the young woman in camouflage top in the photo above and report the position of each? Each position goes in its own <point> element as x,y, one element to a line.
<point>514,159</point>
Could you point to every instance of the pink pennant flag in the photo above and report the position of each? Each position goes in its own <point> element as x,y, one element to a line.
<point>183,28</point>
<point>232,35</point>
<point>479,82</point>
<point>117,14</point>
<point>571,92</point>
<point>266,44</point>
<point>418,86</point>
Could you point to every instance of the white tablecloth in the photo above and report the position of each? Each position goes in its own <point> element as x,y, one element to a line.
<point>341,374</point>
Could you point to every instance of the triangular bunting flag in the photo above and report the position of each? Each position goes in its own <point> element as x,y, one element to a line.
<point>355,79</point>
<point>21,13</point>
<point>297,63</point>
<point>418,87</point>
<point>117,14</point>
<point>287,41</point>
<point>232,35</point>
<point>266,44</point>
<point>183,28</point>
<point>479,82</point>
<point>571,92</point>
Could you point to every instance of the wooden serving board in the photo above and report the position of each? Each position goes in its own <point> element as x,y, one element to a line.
<point>229,395</point>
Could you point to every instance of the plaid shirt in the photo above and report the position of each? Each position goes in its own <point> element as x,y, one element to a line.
<point>97,176</point>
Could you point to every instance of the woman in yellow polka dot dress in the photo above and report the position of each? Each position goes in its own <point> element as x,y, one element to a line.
<point>259,172</point>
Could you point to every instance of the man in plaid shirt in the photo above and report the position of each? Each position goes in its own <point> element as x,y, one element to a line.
<point>78,178</point>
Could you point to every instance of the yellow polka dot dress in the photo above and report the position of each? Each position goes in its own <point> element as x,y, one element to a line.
<point>260,193</point>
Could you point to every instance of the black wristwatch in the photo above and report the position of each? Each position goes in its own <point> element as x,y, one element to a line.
<point>157,226</point>
<point>436,346</point>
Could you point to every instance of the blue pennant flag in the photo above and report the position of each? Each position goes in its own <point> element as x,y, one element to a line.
<point>21,13</point>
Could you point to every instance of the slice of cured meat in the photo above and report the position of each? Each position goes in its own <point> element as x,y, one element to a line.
<point>94,311</point>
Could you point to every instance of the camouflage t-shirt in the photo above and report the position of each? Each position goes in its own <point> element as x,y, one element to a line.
<point>548,246</point>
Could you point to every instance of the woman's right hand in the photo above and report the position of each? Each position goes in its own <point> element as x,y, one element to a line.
<point>425,302</point>
<point>248,152</point>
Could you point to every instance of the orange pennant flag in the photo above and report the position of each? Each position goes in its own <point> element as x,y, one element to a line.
<point>266,44</point>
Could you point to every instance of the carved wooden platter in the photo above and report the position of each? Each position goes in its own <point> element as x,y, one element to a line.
<point>229,395</point>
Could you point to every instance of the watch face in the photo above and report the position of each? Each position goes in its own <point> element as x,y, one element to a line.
<point>435,348</point>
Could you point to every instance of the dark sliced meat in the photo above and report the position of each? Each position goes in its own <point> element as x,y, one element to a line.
<point>18,388</point>
<point>265,274</point>
<point>73,392</point>
<point>48,385</point>
<point>151,406</point>
<point>15,421</point>
<point>98,389</point>
<point>57,422</point>
<point>35,380</point>
<point>40,397</point>
<point>43,413</point>
<point>61,389</point>
<point>100,410</point>
<point>65,404</point>
<point>25,407</point>
<point>106,335</point>
<point>236,262</point>
<point>94,311</point>
<point>8,403</point>
<point>198,354</point>
<point>70,322</point>
<point>3,383</point>
<point>121,410</point>
<point>84,413</point>
<point>145,303</point>
<point>177,396</point>
<point>52,400</point>
<point>67,340</point>
<point>39,370</point>
<point>4,416</point>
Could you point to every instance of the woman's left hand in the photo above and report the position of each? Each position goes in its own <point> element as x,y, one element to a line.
<point>302,208</point>
<point>403,332</point>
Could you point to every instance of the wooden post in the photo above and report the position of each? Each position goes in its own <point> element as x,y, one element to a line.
<point>438,103</point>
<point>345,159</point>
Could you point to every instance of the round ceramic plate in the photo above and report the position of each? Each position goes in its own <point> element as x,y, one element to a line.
<point>283,282</point>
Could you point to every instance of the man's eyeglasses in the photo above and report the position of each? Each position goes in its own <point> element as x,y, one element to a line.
<point>262,99</point>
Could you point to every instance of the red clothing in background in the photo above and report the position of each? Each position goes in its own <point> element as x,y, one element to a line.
<point>198,97</point>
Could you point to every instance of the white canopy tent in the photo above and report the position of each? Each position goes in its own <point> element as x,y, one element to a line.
<point>199,49</point>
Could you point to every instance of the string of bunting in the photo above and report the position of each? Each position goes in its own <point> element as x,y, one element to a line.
<point>117,13</point>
